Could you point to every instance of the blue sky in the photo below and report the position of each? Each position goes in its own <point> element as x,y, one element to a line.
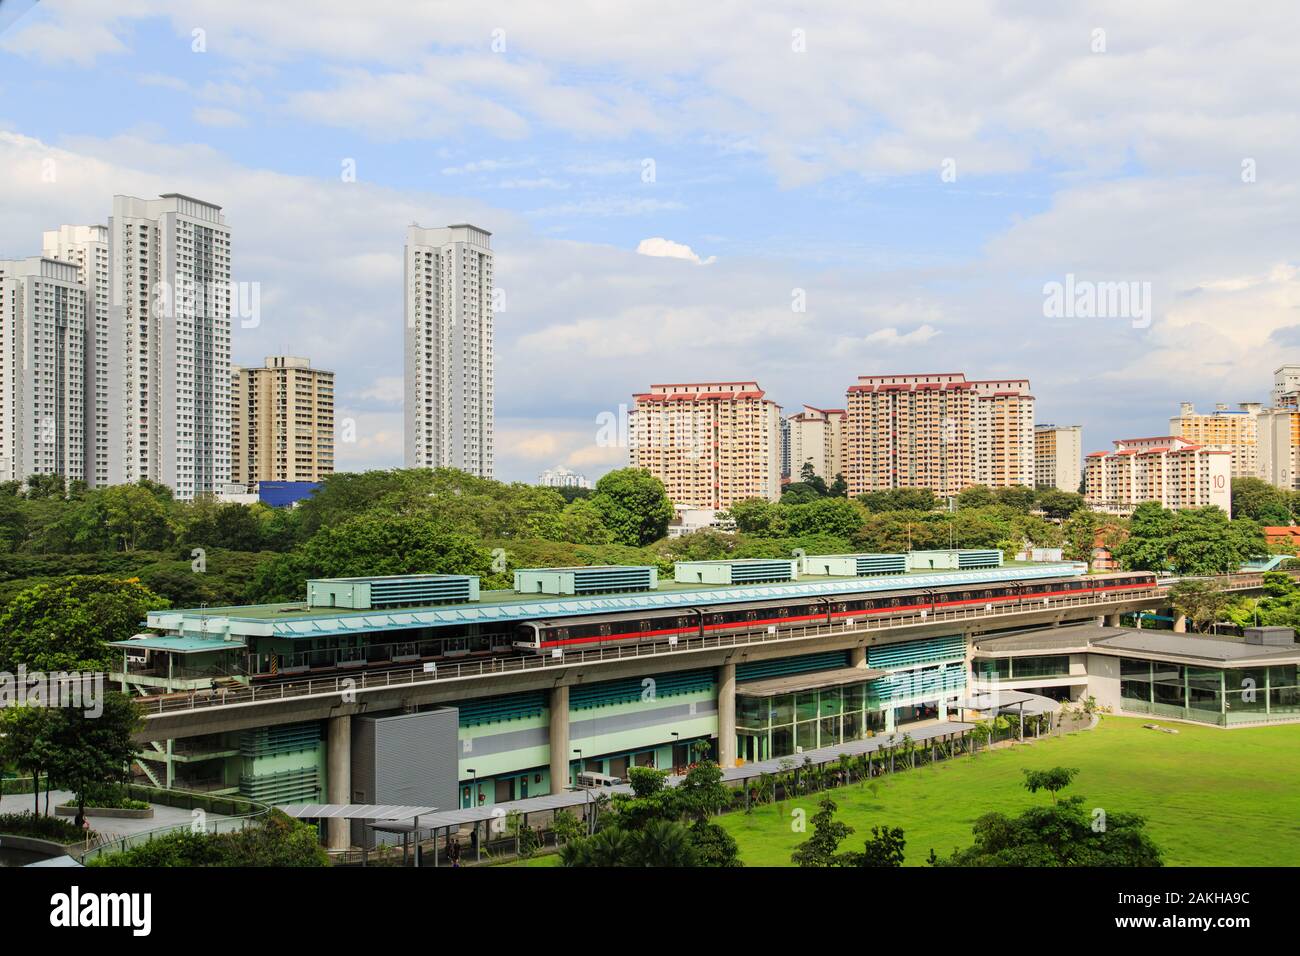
<point>796,146</point>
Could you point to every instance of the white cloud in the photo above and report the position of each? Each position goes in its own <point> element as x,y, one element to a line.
<point>667,249</point>
<point>215,116</point>
<point>892,338</point>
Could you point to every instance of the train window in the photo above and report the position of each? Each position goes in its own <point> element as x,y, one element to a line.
<point>561,633</point>
<point>643,626</point>
<point>605,630</point>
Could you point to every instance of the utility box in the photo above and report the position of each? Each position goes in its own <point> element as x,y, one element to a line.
<point>1270,636</point>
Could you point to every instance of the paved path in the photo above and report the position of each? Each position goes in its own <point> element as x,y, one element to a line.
<point>163,816</point>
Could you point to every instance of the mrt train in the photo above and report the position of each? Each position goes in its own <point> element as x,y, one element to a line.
<point>607,630</point>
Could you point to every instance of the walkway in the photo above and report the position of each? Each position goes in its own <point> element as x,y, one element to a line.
<point>163,816</point>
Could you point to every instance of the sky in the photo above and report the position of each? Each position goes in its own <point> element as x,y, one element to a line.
<point>796,194</point>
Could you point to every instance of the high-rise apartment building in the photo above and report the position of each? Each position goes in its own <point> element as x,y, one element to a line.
<point>1058,457</point>
<point>817,439</point>
<point>1286,387</point>
<point>711,444</point>
<point>448,345</point>
<point>1224,429</point>
<point>42,368</point>
<point>1169,469</point>
<point>86,247</point>
<point>561,477</point>
<point>939,431</point>
<point>281,422</point>
<point>1278,460</point>
<point>169,314</point>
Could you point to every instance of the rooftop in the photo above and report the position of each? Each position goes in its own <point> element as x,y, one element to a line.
<point>296,619</point>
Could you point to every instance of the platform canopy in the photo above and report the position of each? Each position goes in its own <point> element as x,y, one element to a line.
<point>355,811</point>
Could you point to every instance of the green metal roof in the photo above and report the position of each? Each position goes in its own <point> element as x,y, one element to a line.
<point>495,607</point>
<point>178,645</point>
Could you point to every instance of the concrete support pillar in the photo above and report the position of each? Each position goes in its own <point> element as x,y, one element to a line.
<point>1180,623</point>
<point>727,715</point>
<point>559,738</point>
<point>338,775</point>
<point>1112,620</point>
<point>857,657</point>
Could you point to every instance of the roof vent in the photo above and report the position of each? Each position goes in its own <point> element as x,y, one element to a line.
<point>742,571</point>
<point>601,579</point>
<point>855,565</point>
<point>398,590</point>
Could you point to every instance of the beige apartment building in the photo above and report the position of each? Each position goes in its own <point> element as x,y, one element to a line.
<point>1058,457</point>
<point>938,431</point>
<point>1224,429</point>
<point>817,439</point>
<point>711,444</point>
<point>1169,469</point>
<point>282,422</point>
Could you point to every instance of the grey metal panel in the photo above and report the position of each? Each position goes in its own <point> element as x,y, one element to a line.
<point>490,744</point>
<point>636,719</point>
<point>414,762</point>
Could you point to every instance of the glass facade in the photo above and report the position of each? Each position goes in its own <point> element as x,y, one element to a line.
<point>768,727</point>
<point>1022,668</point>
<point>1211,695</point>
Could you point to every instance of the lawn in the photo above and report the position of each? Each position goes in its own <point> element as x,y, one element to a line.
<point>1211,797</point>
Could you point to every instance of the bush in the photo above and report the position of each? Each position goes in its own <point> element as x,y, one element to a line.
<point>42,828</point>
<point>109,797</point>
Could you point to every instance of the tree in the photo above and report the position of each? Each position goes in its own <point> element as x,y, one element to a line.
<point>1256,499</point>
<point>633,505</point>
<point>1203,602</point>
<point>66,625</point>
<point>714,845</point>
<point>1059,505</point>
<point>133,516</point>
<point>25,742</point>
<point>665,843</point>
<point>883,849</point>
<point>976,496</point>
<point>1150,539</point>
<point>88,750</point>
<point>581,523</point>
<point>899,499</point>
<point>1063,834</point>
<point>1018,497</point>
<point>1053,780</point>
<point>46,486</point>
<point>821,848</point>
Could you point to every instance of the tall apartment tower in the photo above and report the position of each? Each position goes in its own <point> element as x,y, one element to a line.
<point>281,422</point>
<point>42,369</point>
<point>1286,386</point>
<point>1278,460</point>
<point>1058,456</point>
<point>448,311</point>
<point>86,247</point>
<point>817,439</point>
<point>1169,469</point>
<point>1224,429</point>
<point>940,432</point>
<point>711,444</point>
<point>169,313</point>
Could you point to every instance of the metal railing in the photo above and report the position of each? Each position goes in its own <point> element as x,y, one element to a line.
<point>364,681</point>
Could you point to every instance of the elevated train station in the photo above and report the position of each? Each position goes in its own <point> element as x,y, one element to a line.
<point>422,689</point>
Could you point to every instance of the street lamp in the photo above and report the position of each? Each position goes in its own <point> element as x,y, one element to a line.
<point>676,739</point>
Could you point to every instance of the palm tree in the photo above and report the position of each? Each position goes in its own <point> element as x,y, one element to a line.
<point>665,843</point>
<point>609,847</point>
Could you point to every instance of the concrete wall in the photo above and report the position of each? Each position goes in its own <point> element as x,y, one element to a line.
<point>1103,680</point>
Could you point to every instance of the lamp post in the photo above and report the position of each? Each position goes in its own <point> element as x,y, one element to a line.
<point>673,757</point>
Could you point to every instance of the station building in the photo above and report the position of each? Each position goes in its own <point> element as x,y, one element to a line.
<point>492,714</point>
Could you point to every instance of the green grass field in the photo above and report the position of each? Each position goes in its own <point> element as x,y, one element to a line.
<point>1211,797</point>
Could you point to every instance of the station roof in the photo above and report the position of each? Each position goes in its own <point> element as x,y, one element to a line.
<point>1069,637</point>
<point>772,686</point>
<point>1197,650</point>
<point>173,644</point>
<point>293,620</point>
